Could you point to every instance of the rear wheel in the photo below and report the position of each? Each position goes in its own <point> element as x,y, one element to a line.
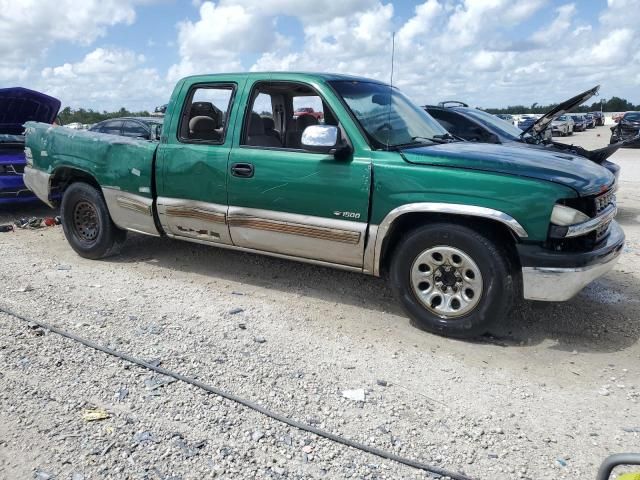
<point>452,280</point>
<point>86,222</point>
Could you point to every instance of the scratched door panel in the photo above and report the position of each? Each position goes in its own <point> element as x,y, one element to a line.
<point>300,203</point>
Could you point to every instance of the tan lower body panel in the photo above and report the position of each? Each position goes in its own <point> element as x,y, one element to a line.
<point>193,219</point>
<point>130,211</point>
<point>317,238</point>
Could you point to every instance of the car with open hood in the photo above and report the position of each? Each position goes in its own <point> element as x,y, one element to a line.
<point>627,129</point>
<point>461,230</point>
<point>17,106</point>
<point>476,125</point>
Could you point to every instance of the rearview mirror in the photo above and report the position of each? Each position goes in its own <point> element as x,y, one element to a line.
<point>321,138</point>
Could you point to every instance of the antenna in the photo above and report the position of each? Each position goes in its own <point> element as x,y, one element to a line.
<point>393,51</point>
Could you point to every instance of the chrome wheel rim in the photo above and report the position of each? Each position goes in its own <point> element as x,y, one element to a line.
<point>85,221</point>
<point>446,281</point>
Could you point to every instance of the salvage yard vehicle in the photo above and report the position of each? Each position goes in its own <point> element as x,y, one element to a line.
<point>17,106</point>
<point>476,125</point>
<point>563,125</point>
<point>461,230</point>
<point>147,128</point>
<point>579,122</point>
<point>627,128</point>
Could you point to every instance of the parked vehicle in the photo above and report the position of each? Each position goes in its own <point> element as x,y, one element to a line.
<point>617,116</point>
<point>579,122</point>
<point>627,129</point>
<point>591,121</point>
<point>526,121</point>
<point>507,118</point>
<point>472,124</point>
<point>462,230</point>
<point>147,128</point>
<point>562,125</point>
<point>599,118</point>
<point>17,106</point>
<point>307,111</point>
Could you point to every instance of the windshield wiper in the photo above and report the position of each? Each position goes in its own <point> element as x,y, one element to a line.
<point>444,138</point>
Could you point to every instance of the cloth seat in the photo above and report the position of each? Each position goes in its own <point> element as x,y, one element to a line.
<point>256,136</point>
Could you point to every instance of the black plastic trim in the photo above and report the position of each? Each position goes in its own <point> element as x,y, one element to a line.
<point>537,256</point>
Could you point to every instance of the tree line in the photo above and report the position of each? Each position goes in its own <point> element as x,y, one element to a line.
<point>614,104</point>
<point>68,115</point>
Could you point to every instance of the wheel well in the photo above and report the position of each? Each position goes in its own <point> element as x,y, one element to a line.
<point>65,176</point>
<point>496,230</point>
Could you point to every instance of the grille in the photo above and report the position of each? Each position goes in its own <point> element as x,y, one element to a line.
<point>604,200</point>
<point>12,169</point>
<point>601,203</point>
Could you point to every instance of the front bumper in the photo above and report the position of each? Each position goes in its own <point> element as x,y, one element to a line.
<point>13,190</point>
<point>39,183</point>
<point>556,277</point>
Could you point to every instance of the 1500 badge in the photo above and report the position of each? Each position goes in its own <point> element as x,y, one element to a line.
<point>346,214</point>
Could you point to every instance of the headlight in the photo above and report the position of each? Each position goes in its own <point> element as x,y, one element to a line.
<point>564,216</point>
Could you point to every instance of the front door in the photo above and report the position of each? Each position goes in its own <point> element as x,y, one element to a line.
<point>192,164</point>
<point>289,201</point>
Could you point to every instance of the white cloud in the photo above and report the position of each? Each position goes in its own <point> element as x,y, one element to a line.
<point>558,28</point>
<point>474,50</point>
<point>106,79</point>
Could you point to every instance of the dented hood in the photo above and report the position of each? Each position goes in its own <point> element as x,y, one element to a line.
<point>584,176</point>
<point>537,127</point>
<point>19,105</point>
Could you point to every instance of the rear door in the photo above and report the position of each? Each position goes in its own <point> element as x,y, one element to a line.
<point>192,161</point>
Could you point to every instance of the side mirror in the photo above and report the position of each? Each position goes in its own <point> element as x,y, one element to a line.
<point>321,139</point>
<point>607,466</point>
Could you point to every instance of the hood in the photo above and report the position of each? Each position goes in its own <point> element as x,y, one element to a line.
<point>19,105</point>
<point>543,122</point>
<point>583,175</point>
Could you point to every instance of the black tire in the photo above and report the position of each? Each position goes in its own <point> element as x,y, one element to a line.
<point>498,279</point>
<point>87,224</point>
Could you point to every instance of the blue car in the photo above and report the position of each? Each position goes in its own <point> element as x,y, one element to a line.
<point>17,106</point>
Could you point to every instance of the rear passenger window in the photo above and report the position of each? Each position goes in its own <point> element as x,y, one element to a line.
<point>114,127</point>
<point>134,129</point>
<point>205,114</point>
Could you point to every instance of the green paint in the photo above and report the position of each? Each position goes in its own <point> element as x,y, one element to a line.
<point>303,182</point>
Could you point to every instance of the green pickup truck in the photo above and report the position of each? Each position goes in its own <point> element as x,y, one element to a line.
<point>372,184</point>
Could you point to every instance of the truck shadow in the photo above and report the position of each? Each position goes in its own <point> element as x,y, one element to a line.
<point>602,318</point>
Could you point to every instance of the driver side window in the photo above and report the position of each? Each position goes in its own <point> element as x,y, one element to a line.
<point>280,112</point>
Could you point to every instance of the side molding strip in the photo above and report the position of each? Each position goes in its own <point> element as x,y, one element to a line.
<point>447,208</point>
<point>130,211</point>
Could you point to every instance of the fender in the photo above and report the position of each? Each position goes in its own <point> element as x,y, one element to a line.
<point>377,234</point>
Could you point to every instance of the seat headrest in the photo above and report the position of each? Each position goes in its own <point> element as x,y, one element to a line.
<point>206,109</point>
<point>202,124</point>
<point>303,121</point>
<point>256,125</point>
<point>268,123</point>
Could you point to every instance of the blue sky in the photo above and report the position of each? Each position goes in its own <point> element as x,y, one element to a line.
<point>111,53</point>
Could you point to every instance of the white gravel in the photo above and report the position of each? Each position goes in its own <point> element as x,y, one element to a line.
<point>550,396</point>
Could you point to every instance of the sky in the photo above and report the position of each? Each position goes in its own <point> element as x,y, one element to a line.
<point>107,54</point>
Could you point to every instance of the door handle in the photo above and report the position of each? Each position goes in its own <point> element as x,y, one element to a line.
<point>244,170</point>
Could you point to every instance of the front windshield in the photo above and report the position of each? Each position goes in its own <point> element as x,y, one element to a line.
<point>633,117</point>
<point>494,123</point>
<point>387,116</point>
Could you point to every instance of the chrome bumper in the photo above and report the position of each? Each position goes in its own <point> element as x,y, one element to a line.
<point>38,182</point>
<point>557,284</point>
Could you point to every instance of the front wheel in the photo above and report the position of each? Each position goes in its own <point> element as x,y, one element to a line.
<point>452,280</point>
<point>87,224</point>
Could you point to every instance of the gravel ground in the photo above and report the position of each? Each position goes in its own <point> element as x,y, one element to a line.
<point>549,396</point>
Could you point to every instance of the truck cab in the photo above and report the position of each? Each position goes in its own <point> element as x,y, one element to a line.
<point>372,185</point>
